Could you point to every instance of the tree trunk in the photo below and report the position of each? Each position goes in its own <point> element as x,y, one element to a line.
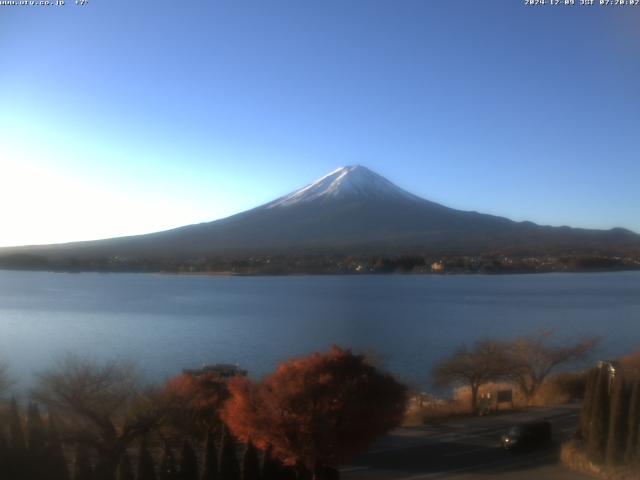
<point>531,391</point>
<point>474,396</point>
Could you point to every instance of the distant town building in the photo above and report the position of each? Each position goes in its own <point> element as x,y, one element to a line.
<point>437,267</point>
<point>224,370</point>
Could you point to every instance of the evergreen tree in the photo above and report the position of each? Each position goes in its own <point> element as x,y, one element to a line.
<point>56,461</point>
<point>331,473</point>
<point>210,471</point>
<point>188,462</point>
<point>617,423</point>
<point>250,463</point>
<point>16,463</point>
<point>36,436</point>
<point>587,404</point>
<point>303,473</point>
<point>599,428</point>
<point>36,444</point>
<point>270,466</point>
<point>636,459</point>
<point>168,465</point>
<point>4,447</point>
<point>107,466</point>
<point>228,460</point>
<point>82,468</point>
<point>146,469</point>
<point>633,424</point>
<point>125,469</point>
<point>289,472</point>
<point>16,435</point>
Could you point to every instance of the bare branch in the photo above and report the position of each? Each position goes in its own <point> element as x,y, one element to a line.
<point>103,405</point>
<point>472,367</point>
<point>531,359</point>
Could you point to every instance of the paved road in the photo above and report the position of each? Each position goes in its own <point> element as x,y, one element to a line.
<point>467,449</point>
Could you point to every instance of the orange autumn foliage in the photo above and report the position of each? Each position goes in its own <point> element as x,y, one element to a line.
<point>320,410</point>
<point>195,401</point>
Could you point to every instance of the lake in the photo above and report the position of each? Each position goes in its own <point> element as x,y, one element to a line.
<point>165,323</point>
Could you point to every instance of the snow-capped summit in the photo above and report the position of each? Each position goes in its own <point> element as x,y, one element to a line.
<point>350,182</point>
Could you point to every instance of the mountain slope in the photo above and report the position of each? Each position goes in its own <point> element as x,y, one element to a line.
<point>353,210</point>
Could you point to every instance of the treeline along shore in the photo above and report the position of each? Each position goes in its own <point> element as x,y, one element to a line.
<point>98,421</point>
<point>490,263</point>
<point>87,420</point>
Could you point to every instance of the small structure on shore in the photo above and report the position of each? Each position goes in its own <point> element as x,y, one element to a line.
<point>224,370</point>
<point>437,267</point>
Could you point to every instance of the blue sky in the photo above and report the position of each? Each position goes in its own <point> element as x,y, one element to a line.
<point>124,117</point>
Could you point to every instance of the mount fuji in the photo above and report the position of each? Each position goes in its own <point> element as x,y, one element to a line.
<point>350,210</point>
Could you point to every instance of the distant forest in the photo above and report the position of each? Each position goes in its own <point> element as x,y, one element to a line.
<point>331,264</point>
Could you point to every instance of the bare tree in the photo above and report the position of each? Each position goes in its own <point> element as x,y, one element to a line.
<point>472,367</point>
<point>531,359</point>
<point>102,406</point>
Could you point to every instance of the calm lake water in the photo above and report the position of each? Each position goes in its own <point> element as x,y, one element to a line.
<point>165,323</point>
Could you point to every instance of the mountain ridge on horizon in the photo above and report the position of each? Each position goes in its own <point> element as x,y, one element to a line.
<point>351,209</point>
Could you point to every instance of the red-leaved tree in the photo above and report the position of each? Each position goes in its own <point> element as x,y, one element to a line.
<point>193,402</point>
<point>320,410</point>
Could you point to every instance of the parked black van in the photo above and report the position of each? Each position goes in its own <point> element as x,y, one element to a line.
<point>527,435</point>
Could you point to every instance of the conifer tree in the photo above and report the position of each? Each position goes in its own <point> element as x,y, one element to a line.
<point>636,459</point>
<point>188,462</point>
<point>617,423</point>
<point>168,465</point>
<point>331,474</point>
<point>289,472</point>
<point>56,461</point>
<point>587,404</point>
<point>210,471</point>
<point>36,436</point>
<point>16,435</point>
<point>146,469</point>
<point>250,463</point>
<point>36,444</point>
<point>303,473</point>
<point>228,459</point>
<point>270,466</point>
<point>4,454</point>
<point>125,469</point>
<point>599,428</point>
<point>633,424</point>
<point>82,468</point>
<point>16,461</point>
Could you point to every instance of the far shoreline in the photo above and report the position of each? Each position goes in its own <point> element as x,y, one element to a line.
<point>230,274</point>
